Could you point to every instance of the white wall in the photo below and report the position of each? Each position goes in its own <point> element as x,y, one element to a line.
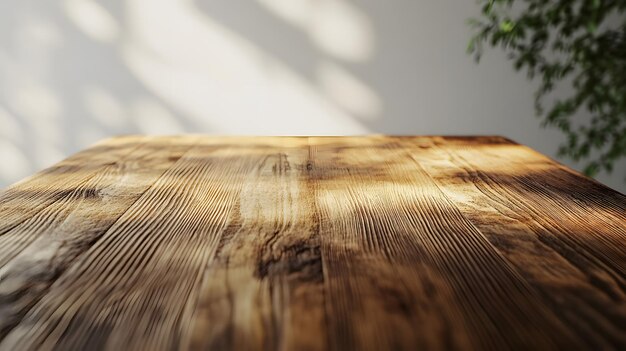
<point>75,71</point>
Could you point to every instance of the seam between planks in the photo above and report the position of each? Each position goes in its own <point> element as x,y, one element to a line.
<point>503,269</point>
<point>323,259</point>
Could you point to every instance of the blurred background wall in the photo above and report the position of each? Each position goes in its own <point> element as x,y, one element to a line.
<point>75,71</point>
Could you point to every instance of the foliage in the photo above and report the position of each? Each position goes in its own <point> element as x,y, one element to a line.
<point>581,43</point>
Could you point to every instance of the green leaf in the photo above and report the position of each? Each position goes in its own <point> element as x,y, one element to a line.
<point>471,46</point>
<point>507,26</point>
<point>596,4</point>
<point>592,27</point>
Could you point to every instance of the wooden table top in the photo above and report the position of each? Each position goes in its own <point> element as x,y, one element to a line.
<point>311,243</point>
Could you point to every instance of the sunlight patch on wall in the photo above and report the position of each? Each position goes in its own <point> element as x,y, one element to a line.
<point>93,19</point>
<point>10,128</point>
<point>342,31</point>
<point>36,101</point>
<point>38,106</point>
<point>336,26</point>
<point>41,110</point>
<point>40,33</point>
<point>105,108</point>
<point>348,92</point>
<point>153,118</point>
<point>46,154</point>
<point>294,12</point>
<point>16,163</point>
<point>220,80</point>
<point>33,43</point>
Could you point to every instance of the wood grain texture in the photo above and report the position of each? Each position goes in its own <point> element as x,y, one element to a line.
<point>564,233</point>
<point>34,253</point>
<point>22,200</point>
<point>311,243</point>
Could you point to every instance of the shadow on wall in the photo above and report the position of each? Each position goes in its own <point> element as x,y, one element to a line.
<point>75,71</point>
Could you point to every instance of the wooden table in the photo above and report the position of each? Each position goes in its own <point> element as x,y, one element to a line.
<point>311,243</point>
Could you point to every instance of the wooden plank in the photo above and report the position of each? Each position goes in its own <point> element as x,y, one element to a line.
<point>24,199</point>
<point>404,269</point>
<point>149,282</point>
<point>131,288</point>
<point>264,290</point>
<point>563,232</point>
<point>37,251</point>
